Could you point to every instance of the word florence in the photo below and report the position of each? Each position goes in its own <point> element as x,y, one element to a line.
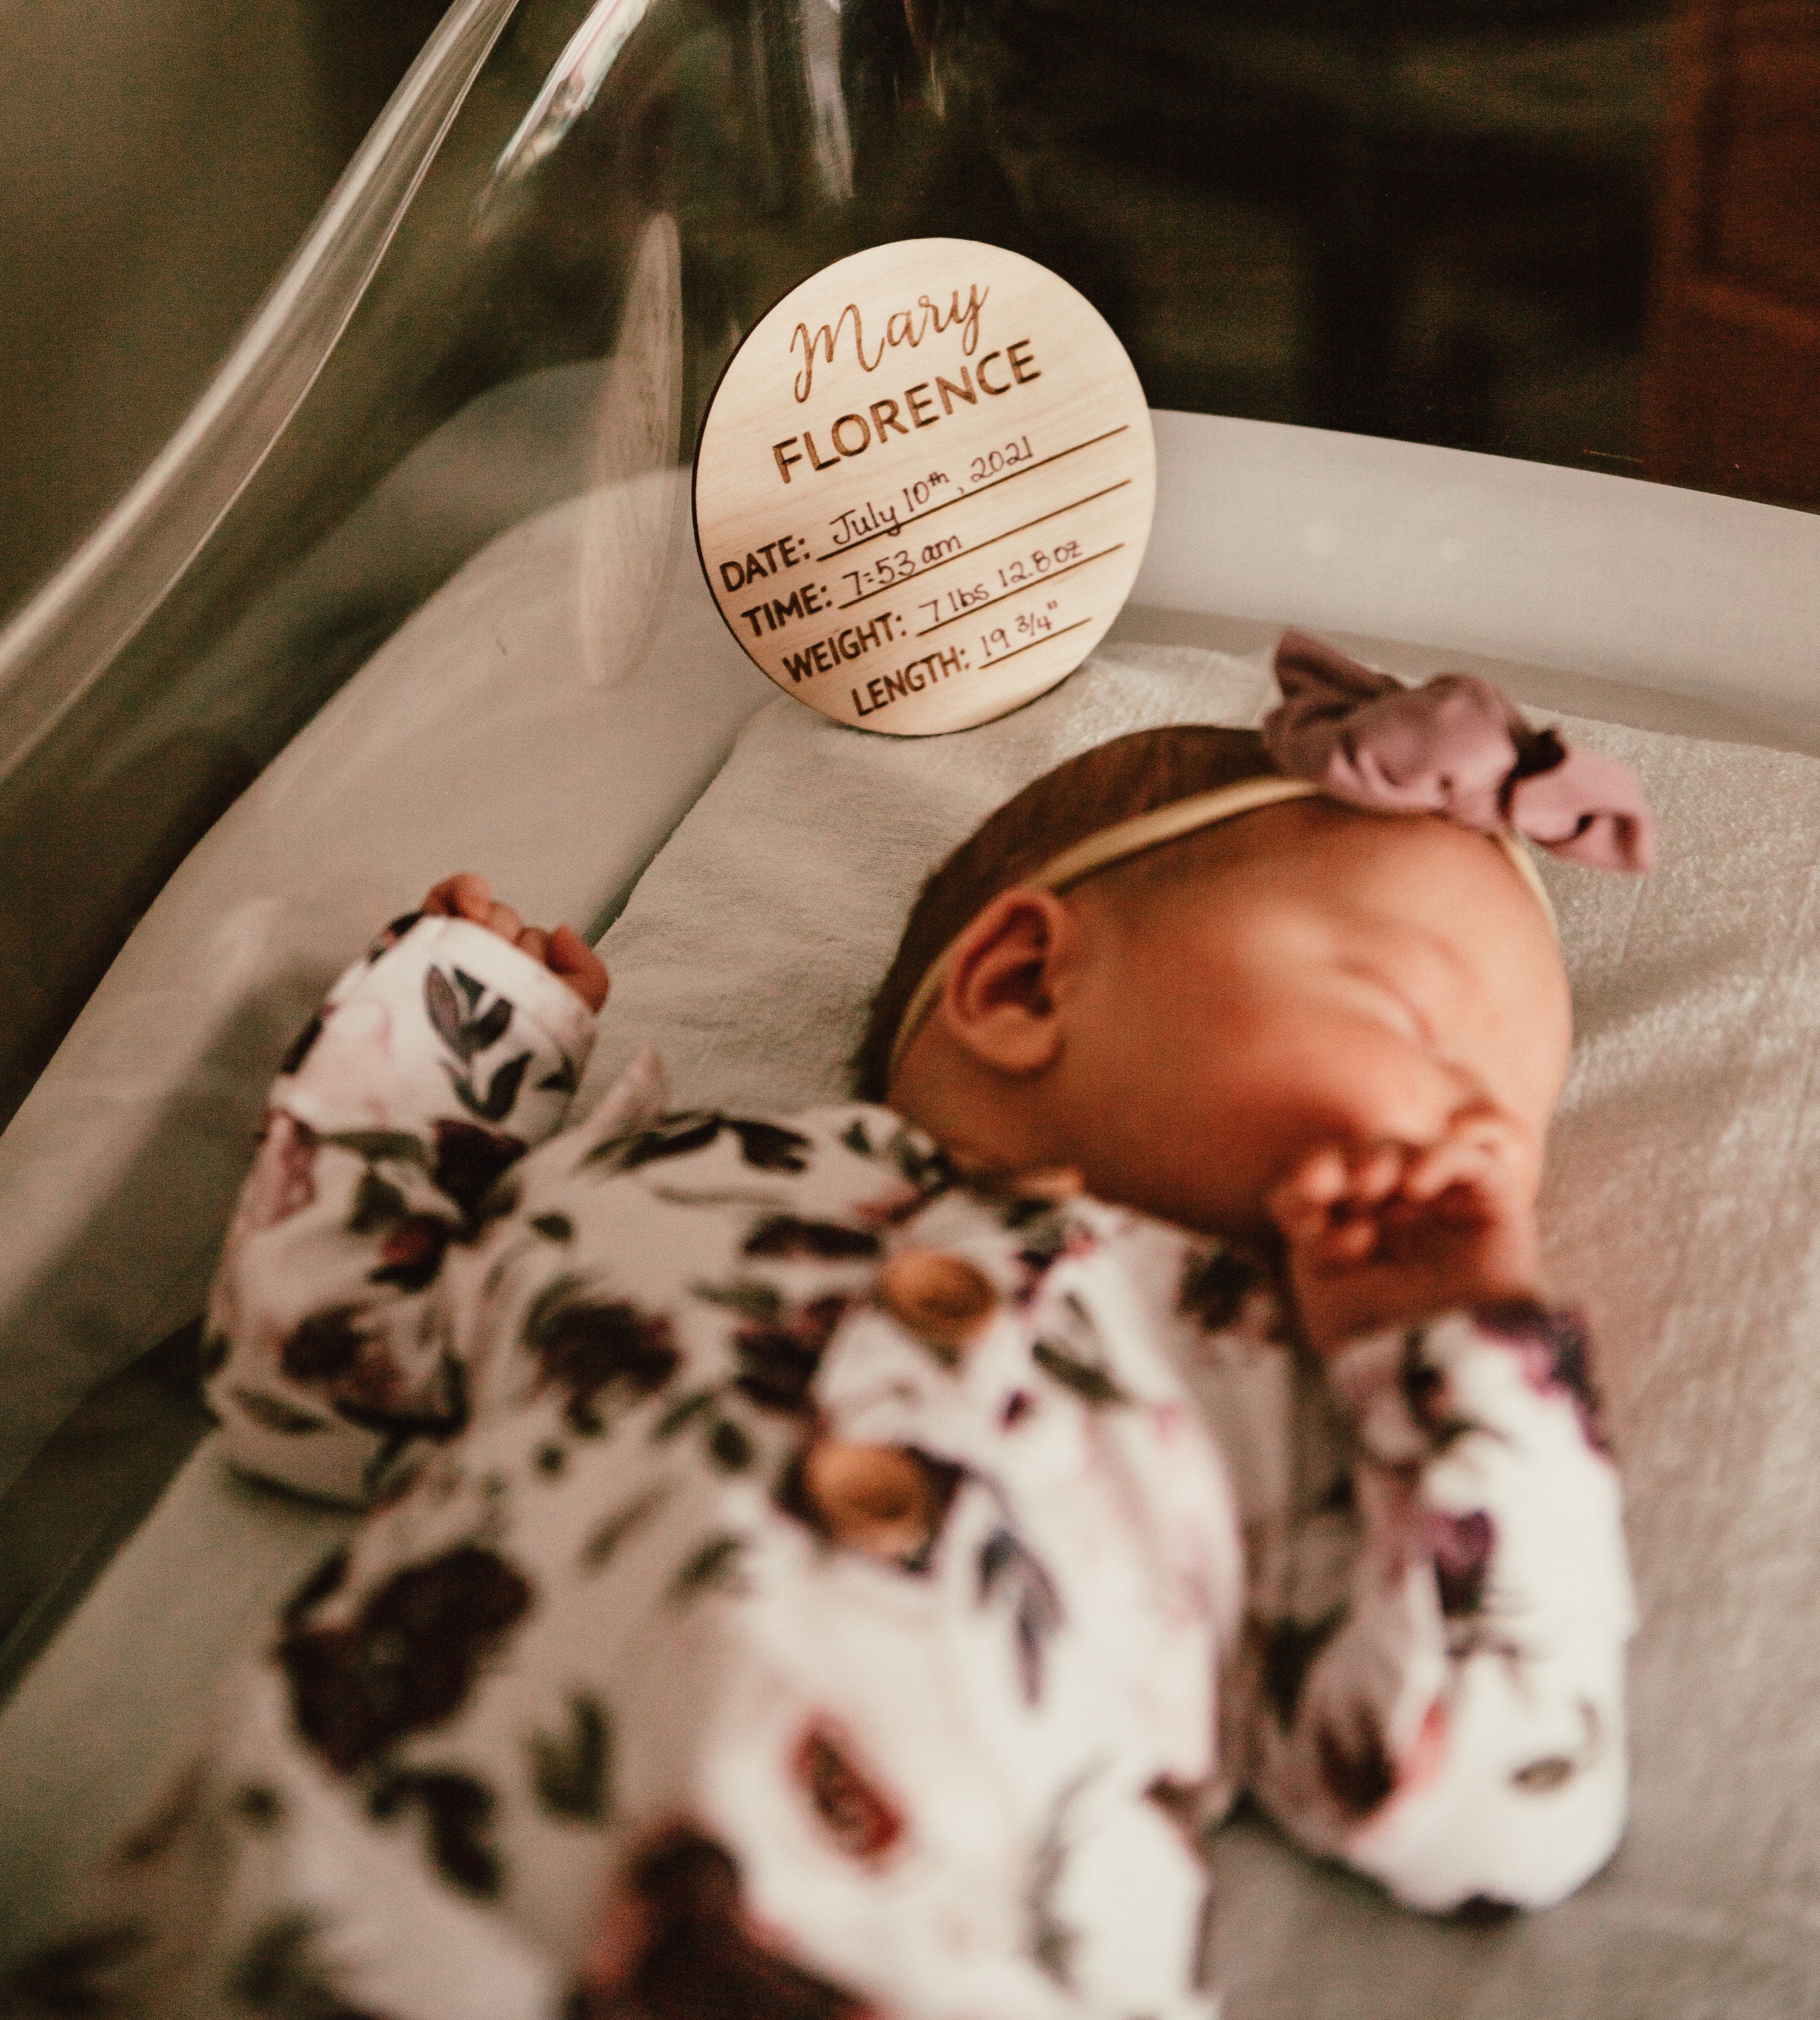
<point>852,434</point>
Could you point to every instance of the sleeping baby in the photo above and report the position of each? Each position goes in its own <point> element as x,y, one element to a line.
<point>847,1562</point>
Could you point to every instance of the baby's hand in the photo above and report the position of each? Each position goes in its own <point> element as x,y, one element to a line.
<point>1392,1234</point>
<point>564,952</point>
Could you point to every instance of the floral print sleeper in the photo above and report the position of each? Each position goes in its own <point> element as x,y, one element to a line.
<point>800,1583</point>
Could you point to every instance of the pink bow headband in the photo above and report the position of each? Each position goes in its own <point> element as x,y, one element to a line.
<point>1453,746</point>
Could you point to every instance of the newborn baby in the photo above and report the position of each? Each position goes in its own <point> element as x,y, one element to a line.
<point>847,1563</point>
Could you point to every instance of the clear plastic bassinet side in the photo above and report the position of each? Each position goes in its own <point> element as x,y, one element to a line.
<point>521,292</point>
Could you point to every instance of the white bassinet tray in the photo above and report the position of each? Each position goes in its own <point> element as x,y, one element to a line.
<point>1688,1171</point>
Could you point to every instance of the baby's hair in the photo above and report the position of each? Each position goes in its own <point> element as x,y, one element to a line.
<point>1083,796</point>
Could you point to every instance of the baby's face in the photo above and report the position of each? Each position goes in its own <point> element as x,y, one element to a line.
<point>1308,976</point>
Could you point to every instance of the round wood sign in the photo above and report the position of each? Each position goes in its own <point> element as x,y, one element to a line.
<point>924,485</point>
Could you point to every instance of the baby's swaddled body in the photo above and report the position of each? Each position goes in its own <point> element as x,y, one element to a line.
<point>836,1563</point>
<point>802,1583</point>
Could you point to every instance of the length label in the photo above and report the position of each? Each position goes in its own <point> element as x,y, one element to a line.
<point>924,485</point>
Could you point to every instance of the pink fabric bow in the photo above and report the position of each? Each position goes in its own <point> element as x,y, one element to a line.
<point>1454,746</point>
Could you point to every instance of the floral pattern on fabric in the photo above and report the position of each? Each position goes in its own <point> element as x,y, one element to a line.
<point>793,1571</point>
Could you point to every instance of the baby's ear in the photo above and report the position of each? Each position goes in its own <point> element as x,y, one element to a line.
<point>1001,997</point>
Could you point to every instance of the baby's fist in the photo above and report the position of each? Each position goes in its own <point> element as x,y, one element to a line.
<point>1392,1234</point>
<point>563,951</point>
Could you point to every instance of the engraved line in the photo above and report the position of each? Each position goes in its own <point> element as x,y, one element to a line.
<point>885,532</point>
<point>960,617</point>
<point>1048,638</point>
<point>1011,533</point>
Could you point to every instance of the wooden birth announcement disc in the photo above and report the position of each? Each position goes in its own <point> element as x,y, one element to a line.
<point>924,485</point>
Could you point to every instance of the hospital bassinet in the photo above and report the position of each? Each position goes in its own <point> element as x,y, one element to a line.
<point>414,587</point>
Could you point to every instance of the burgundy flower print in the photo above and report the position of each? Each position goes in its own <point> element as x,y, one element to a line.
<point>412,1244</point>
<point>1557,1353</point>
<point>778,1357</point>
<point>327,1349</point>
<point>1008,1567</point>
<point>692,1954</point>
<point>1462,1547</point>
<point>864,1823</point>
<point>412,1252</point>
<point>1356,1767</point>
<point>589,1347</point>
<point>469,1161</point>
<point>408,1661</point>
<point>356,1376</point>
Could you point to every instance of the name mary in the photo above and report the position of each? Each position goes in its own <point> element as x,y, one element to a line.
<point>924,317</point>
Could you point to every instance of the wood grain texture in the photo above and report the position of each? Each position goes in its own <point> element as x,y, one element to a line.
<point>924,486</point>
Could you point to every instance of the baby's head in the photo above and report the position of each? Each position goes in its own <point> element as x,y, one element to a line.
<point>1184,1024</point>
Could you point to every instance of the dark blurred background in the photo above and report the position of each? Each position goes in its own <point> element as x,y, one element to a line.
<point>1582,231</point>
<point>158,161</point>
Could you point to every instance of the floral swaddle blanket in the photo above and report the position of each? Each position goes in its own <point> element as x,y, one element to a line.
<point>800,1582</point>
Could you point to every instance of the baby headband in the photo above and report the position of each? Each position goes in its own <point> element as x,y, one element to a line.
<point>1455,746</point>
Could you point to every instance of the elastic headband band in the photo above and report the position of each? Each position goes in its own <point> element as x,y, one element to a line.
<point>1151,830</point>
